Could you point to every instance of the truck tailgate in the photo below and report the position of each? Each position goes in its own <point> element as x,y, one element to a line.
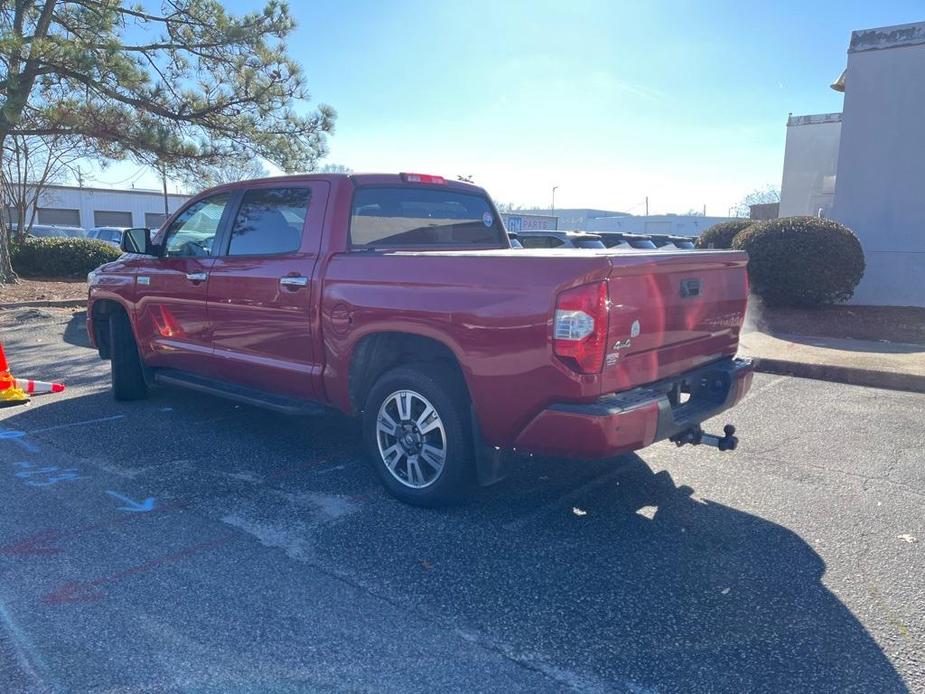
<point>671,313</point>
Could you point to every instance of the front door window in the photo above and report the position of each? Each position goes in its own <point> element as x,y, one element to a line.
<point>192,233</point>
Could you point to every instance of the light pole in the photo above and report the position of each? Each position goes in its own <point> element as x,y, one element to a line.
<point>554,189</point>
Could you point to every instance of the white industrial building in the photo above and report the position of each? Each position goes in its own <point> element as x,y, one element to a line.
<point>515,221</point>
<point>93,207</point>
<point>810,161</point>
<point>677,224</point>
<point>865,167</point>
<point>589,219</point>
<point>571,218</point>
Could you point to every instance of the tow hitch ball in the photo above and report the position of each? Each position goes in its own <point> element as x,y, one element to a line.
<point>696,436</point>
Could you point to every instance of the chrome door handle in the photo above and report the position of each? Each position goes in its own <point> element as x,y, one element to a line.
<point>293,281</point>
<point>197,276</point>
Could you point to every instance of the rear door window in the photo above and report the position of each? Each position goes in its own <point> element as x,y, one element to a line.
<point>412,217</point>
<point>269,221</point>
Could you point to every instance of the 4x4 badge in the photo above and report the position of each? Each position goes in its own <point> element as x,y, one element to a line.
<point>623,344</point>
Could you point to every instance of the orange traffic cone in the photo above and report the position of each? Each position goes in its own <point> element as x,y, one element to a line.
<point>37,387</point>
<point>10,393</point>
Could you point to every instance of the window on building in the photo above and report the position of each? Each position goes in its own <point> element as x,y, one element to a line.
<point>12,215</point>
<point>105,218</point>
<point>58,217</point>
<point>153,220</point>
<point>269,221</point>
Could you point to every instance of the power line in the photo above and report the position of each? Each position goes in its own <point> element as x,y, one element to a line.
<point>132,178</point>
<point>637,205</point>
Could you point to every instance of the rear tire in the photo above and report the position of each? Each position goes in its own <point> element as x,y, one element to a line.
<point>128,381</point>
<point>425,459</point>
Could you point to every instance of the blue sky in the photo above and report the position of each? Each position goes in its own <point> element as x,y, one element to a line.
<point>685,102</point>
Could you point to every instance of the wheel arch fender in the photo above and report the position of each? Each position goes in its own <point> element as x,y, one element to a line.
<point>98,312</point>
<point>376,352</point>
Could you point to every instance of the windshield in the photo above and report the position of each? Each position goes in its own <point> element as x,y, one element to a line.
<point>412,216</point>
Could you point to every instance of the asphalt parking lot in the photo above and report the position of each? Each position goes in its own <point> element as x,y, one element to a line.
<point>186,543</point>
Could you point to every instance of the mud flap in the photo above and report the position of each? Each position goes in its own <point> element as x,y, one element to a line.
<point>491,465</point>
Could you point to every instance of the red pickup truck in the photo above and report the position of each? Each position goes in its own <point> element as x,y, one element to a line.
<point>398,298</point>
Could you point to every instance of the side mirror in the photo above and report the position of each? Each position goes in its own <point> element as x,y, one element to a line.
<point>138,240</point>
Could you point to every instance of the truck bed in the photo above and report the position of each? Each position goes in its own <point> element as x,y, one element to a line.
<point>494,309</point>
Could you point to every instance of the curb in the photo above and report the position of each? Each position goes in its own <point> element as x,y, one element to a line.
<point>61,303</point>
<point>891,380</point>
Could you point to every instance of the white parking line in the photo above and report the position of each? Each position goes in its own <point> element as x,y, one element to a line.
<point>767,386</point>
<point>77,424</point>
<point>27,655</point>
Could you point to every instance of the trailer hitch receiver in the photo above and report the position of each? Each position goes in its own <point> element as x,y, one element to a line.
<point>696,436</point>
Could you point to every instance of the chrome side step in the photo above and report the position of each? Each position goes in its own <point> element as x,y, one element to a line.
<point>239,393</point>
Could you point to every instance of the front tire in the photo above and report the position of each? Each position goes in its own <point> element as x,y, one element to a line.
<point>417,432</point>
<point>128,381</point>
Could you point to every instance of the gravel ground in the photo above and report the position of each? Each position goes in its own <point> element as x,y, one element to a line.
<point>271,560</point>
<point>42,290</point>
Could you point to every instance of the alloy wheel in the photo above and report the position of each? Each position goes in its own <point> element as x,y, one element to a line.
<point>412,440</point>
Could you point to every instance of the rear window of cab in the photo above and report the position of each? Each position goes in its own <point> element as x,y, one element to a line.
<point>417,216</point>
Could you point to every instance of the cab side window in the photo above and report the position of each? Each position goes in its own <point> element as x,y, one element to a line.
<point>269,221</point>
<point>193,232</point>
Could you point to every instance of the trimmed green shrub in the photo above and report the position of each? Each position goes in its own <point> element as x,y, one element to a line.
<point>802,261</point>
<point>60,257</point>
<point>721,235</point>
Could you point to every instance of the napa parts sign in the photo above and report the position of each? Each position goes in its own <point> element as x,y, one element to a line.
<point>529,222</point>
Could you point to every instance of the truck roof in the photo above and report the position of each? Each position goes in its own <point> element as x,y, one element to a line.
<point>358,179</point>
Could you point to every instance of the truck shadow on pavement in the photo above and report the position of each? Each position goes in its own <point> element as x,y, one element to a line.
<point>602,575</point>
<point>75,332</point>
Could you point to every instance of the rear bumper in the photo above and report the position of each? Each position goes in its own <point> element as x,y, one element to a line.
<point>633,419</point>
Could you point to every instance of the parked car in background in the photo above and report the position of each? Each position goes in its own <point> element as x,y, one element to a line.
<point>51,231</point>
<point>515,241</point>
<point>397,298</point>
<point>670,241</point>
<point>559,239</point>
<point>110,235</point>
<point>622,239</point>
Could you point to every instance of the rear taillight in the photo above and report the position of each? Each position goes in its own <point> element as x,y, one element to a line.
<point>423,178</point>
<point>579,329</point>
